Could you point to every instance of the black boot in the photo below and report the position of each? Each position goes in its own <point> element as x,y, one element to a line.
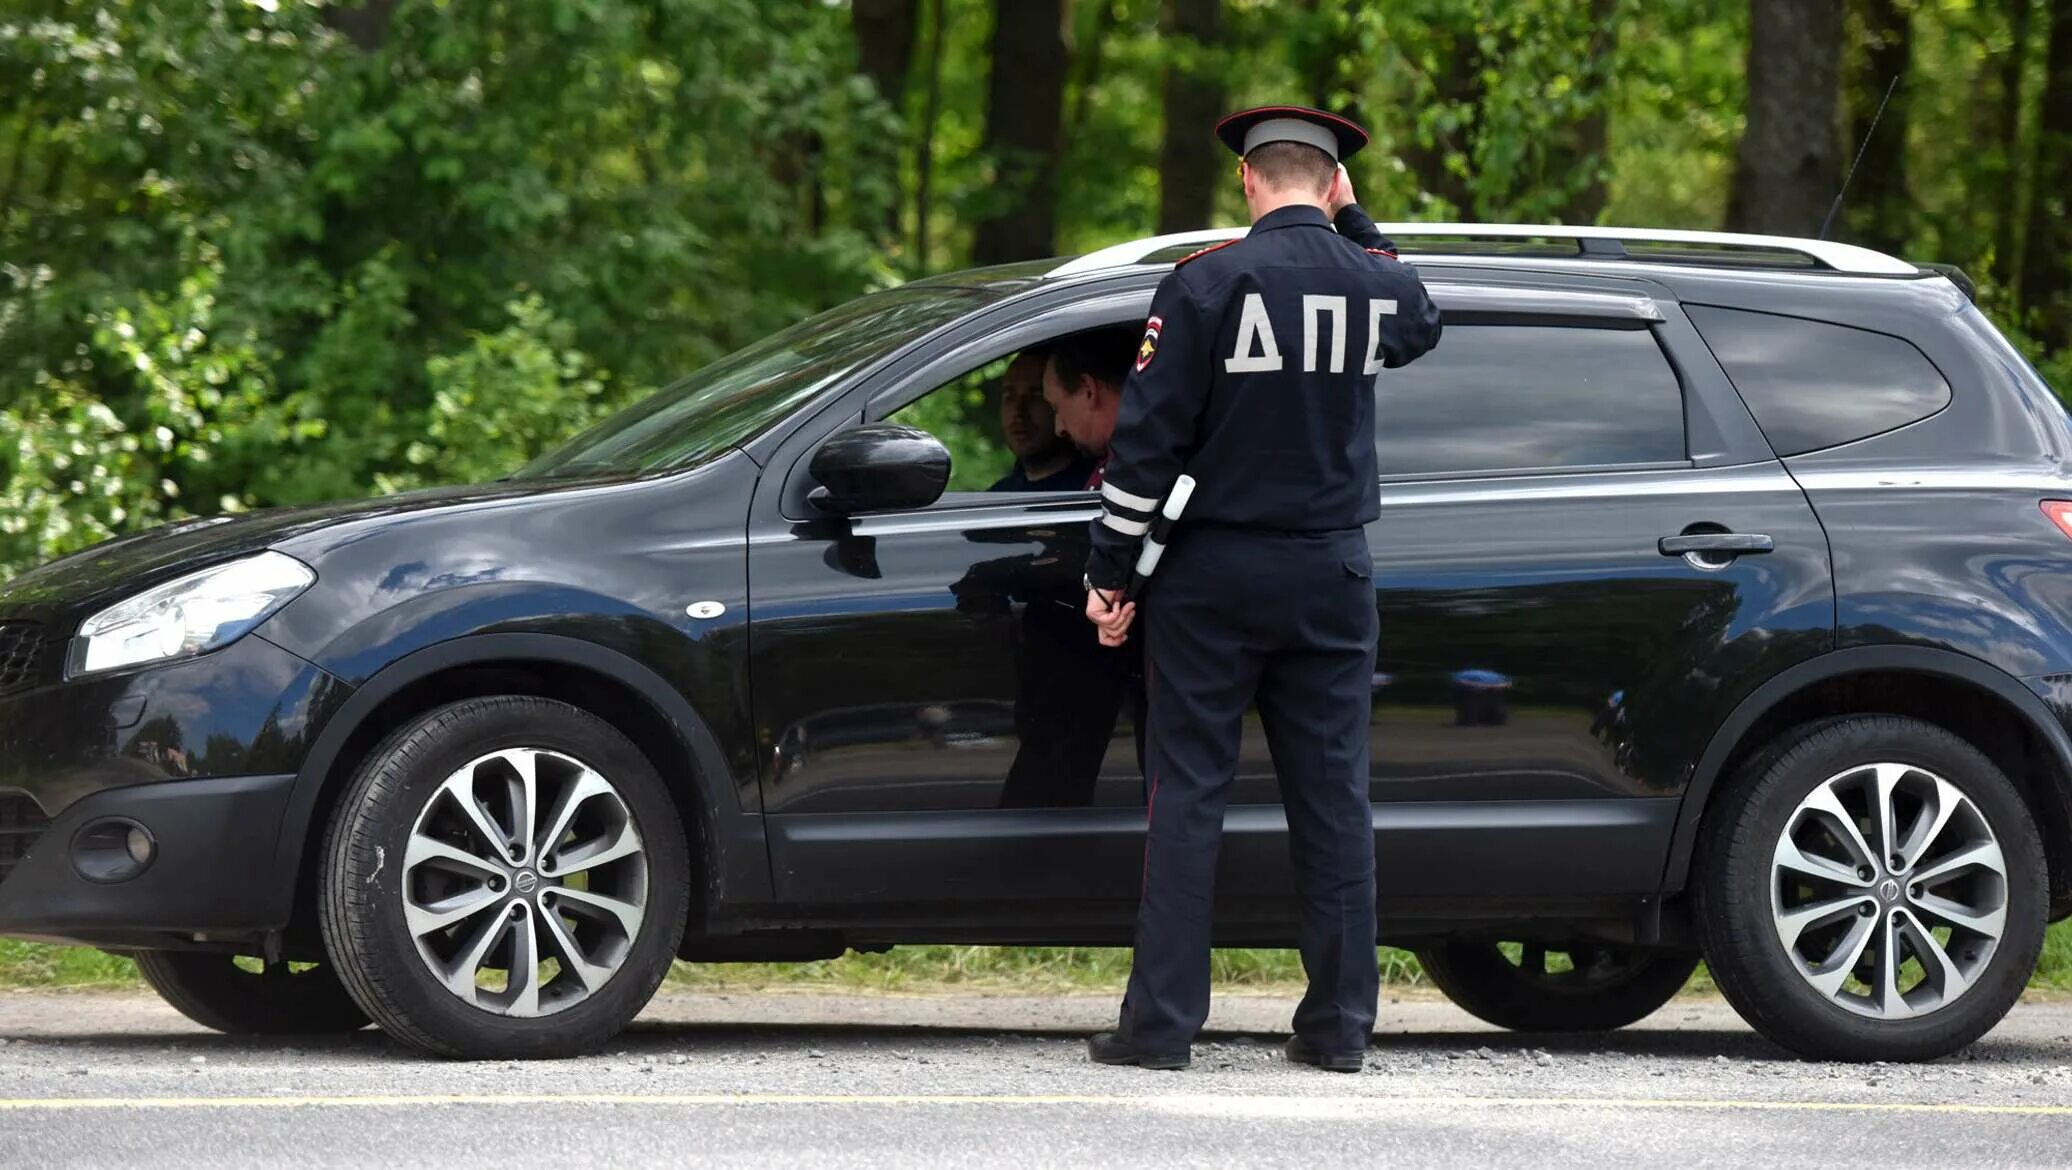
<point>1300,1052</point>
<point>1111,1048</point>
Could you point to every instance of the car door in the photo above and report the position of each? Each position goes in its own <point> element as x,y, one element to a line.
<point>931,722</point>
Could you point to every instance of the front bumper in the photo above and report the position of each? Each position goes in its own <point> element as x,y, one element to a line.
<point>213,873</point>
<point>203,752</point>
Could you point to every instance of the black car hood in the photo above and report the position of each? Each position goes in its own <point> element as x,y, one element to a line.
<point>120,567</point>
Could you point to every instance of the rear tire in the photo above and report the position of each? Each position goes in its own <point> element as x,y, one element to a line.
<point>1606,987</point>
<point>505,878</point>
<point>1871,888</point>
<point>211,989</point>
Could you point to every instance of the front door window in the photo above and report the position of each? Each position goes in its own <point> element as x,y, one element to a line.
<point>939,659</point>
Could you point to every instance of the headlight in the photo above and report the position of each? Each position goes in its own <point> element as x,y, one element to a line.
<point>198,612</point>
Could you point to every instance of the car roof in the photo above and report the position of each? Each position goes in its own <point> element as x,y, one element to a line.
<point>1625,269</point>
<point>1724,267</point>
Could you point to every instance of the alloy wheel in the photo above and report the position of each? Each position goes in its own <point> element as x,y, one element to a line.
<point>524,882</point>
<point>1889,890</point>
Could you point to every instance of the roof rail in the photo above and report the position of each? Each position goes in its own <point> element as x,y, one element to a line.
<point>1592,243</point>
<point>1134,251</point>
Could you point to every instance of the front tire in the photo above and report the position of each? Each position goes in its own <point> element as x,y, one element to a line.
<point>505,878</point>
<point>1871,888</point>
<point>216,991</point>
<point>1601,987</point>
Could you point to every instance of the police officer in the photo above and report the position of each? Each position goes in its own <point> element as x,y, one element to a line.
<point>1256,376</point>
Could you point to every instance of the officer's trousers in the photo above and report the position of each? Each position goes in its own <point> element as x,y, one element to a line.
<point>1286,620</point>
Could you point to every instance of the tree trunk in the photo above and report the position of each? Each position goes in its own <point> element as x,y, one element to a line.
<point>1790,162</point>
<point>2012,68</point>
<point>1024,108</point>
<point>1881,208</point>
<point>1087,68</point>
<point>885,44</point>
<point>17,161</point>
<point>1190,159</point>
<point>885,53</point>
<point>1457,85</point>
<point>1587,141</point>
<point>924,154</point>
<point>795,165</point>
<point>364,24</point>
<point>2047,264</point>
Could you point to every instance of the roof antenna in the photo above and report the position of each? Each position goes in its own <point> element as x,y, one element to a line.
<point>1836,209</point>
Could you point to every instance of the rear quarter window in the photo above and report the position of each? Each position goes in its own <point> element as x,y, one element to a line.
<point>1813,384</point>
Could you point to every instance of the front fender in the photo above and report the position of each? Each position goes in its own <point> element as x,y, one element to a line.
<point>737,858</point>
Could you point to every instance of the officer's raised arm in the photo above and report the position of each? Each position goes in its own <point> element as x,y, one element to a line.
<point>1162,402</point>
<point>1353,222</point>
<point>1414,329</point>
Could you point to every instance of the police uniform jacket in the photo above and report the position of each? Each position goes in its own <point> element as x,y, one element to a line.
<point>1256,377</point>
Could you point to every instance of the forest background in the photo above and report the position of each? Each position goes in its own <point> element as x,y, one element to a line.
<point>259,252</point>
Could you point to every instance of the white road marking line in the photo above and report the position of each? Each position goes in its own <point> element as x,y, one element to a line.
<point>1192,1101</point>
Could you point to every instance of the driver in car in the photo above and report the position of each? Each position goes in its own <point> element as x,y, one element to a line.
<point>1044,460</point>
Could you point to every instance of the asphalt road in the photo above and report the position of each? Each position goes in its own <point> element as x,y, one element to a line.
<point>787,1079</point>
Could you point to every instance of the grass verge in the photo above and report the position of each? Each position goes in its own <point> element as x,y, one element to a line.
<point>1032,970</point>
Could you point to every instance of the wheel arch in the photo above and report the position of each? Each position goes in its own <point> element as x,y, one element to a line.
<point>726,842</point>
<point>1986,706</point>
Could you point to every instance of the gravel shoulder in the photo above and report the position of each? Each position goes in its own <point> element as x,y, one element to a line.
<point>784,1078</point>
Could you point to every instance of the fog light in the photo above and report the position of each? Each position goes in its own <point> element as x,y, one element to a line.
<point>138,842</point>
<point>113,849</point>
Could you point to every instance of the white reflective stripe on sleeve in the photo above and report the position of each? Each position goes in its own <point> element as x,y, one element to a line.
<point>1126,527</point>
<point>1140,503</point>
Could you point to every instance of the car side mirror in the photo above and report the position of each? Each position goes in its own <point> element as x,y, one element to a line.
<point>878,468</point>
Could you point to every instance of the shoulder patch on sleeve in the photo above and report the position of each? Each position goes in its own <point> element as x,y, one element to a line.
<point>1204,252</point>
<point>1383,252</point>
<point>1149,348</point>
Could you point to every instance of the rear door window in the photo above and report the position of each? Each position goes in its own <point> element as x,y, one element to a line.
<point>1813,384</point>
<point>1500,398</point>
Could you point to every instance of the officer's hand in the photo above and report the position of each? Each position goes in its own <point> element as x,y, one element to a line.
<point>1341,193</point>
<point>1117,631</point>
<point>1111,620</point>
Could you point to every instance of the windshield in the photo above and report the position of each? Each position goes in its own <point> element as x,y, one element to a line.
<point>737,397</point>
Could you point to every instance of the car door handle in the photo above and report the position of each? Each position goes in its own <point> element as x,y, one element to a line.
<point>1732,543</point>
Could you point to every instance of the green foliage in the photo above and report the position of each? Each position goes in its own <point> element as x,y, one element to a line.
<point>246,261</point>
<point>507,398</point>
<point>27,964</point>
<point>1019,968</point>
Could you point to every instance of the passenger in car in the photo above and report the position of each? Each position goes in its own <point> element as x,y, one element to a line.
<point>1044,460</point>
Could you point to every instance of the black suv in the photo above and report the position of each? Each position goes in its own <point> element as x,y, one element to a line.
<point>1724,586</point>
